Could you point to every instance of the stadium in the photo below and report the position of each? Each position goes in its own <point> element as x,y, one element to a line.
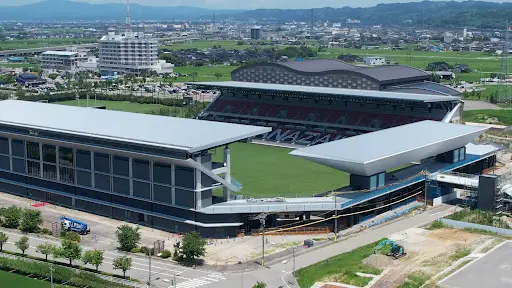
<point>164,172</point>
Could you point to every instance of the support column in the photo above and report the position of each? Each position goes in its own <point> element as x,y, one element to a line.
<point>227,176</point>
<point>198,185</point>
<point>173,183</point>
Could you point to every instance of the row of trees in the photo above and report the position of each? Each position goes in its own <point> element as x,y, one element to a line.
<point>26,220</point>
<point>71,251</point>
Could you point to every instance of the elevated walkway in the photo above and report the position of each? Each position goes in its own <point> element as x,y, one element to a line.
<point>459,179</point>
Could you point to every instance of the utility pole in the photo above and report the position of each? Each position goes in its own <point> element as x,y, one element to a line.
<point>51,276</point>
<point>242,265</point>
<point>293,273</point>
<point>149,274</point>
<point>262,218</point>
<point>174,281</point>
<point>426,188</point>
<point>335,218</point>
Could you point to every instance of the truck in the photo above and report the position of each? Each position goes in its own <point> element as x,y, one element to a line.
<point>69,224</point>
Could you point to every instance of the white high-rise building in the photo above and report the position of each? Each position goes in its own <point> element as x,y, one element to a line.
<point>127,53</point>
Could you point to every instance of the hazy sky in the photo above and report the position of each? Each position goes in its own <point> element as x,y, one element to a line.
<point>243,4</point>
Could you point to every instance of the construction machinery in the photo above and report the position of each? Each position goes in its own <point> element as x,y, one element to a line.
<point>397,251</point>
<point>69,224</point>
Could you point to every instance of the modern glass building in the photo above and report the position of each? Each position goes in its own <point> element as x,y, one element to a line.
<point>151,170</point>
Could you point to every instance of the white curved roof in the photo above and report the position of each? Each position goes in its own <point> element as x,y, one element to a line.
<point>169,132</point>
<point>375,152</point>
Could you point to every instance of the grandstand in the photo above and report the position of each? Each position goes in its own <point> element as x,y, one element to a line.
<point>338,74</point>
<point>305,115</point>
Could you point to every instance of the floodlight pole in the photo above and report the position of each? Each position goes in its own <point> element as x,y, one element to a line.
<point>51,276</point>
<point>335,218</point>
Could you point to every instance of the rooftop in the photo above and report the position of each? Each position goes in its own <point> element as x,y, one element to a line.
<point>372,153</point>
<point>60,53</point>
<point>382,73</point>
<point>188,135</point>
<point>326,90</point>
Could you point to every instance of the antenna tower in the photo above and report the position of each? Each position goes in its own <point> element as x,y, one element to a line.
<point>505,89</point>
<point>312,22</point>
<point>128,17</point>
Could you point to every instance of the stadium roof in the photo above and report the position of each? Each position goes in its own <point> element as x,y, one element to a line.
<point>384,73</point>
<point>376,152</point>
<point>425,88</point>
<point>327,90</point>
<point>188,135</point>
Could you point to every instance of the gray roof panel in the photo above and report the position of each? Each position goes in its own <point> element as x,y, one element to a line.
<point>168,132</point>
<point>375,152</point>
<point>326,90</point>
<point>381,73</point>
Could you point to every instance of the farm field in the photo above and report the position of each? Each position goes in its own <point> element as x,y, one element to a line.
<point>36,43</point>
<point>267,171</point>
<point>204,44</point>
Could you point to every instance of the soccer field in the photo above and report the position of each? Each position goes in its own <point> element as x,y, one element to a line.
<point>266,171</point>
<point>9,280</point>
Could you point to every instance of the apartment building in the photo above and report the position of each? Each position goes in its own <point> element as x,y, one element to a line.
<point>61,60</point>
<point>127,53</point>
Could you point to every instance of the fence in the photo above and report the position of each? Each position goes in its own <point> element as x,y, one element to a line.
<point>394,216</point>
<point>466,225</point>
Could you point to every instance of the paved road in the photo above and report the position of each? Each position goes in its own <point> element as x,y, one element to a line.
<point>185,277</point>
<point>275,275</point>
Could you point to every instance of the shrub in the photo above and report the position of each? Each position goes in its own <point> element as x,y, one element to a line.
<point>144,250</point>
<point>128,237</point>
<point>70,235</point>
<point>46,231</point>
<point>436,225</point>
<point>166,254</point>
<point>30,220</point>
<point>135,250</point>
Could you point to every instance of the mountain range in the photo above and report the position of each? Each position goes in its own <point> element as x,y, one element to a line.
<point>431,13</point>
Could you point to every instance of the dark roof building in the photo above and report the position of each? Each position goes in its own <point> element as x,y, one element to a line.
<point>28,79</point>
<point>333,73</point>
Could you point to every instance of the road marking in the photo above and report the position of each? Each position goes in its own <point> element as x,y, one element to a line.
<point>435,213</point>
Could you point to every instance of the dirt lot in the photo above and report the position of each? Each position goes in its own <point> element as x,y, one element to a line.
<point>427,251</point>
<point>219,251</point>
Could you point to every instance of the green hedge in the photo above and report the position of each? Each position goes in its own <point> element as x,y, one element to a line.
<point>61,274</point>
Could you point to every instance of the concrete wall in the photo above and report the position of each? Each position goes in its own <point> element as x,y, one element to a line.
<point>445,198</point>
<point>463,225</point>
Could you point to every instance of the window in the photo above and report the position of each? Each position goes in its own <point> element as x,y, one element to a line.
<point>162,173</point>
<point>140,169</point>
<point>83,178</point>
<point>49,171</point>
<point>121,166</point>
<point>382,180</point>
<point>18,148</point>
<point>5,162</point>
<point>161,193</point>
<point>83,159</point>
<point>67,175</point>
<point>456,156</point>
<point>18,165</point>
<point>66,156</point>
<point>184,177</point>
<point>49,153</point>
<point>121,185</point>
<point>141,189</point>
<point>33,151</point>
<point>33,168</point>
<point>102,182</point>
<point>4,146</point>
<point>102,162</point>
<point>373,182</point>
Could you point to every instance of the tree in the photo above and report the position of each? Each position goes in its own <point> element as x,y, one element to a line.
<point>128,237</point>
<point>20,93</point>
<point>122,263</point>
<point>193,246</point>
<point>3,240</point>
<point>218,76</point>
<point>30,220</point>
<point>46,249</point>
<point>93,257</point>
<point>22,244</point>
<point>69,250</point>
<point>194,76</point>
<point>53,76</point>
<point>259,285</point>
<point>11,216</point>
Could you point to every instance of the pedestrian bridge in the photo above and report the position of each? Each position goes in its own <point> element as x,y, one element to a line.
<point>459,179</point>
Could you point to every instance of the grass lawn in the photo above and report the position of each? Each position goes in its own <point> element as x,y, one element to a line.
<point>267,171</point>
<point>20,65</point>
<point>36,43</point>
<point>415,280</point>
<point>115,105</point>
<point>341,268</point>
<point>481,116</point>
<point>14,280</point>
<point>205,73</point>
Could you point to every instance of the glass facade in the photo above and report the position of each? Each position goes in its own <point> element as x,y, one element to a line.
<point>100,176</point>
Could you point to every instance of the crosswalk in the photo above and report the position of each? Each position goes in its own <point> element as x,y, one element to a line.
<point>201,281</point>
